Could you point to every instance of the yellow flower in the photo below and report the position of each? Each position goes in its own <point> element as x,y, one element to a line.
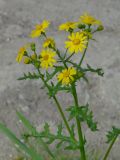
<point>67,76</point>
<point>49,41</point>
<point>20,55</point>
<point>39,28</point>
<point>47,58</point>
<point>27,60</point>
<point>77,42</point>
<point>68,25</point>
<point>89,20</point>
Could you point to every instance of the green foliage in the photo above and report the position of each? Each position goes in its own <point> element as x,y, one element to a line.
<point>29,75</point>
<point>54,89</point>
<point>67,73</point>
<point>50,76</point>
<point>115,132</point>
<point>33,47</point>
<point>99,71</point>
<point>32,131</point>
<point>31,152</point>
<point>84,115</point>
<point>52,137</point>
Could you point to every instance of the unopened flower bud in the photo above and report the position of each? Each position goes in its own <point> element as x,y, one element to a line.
<point>27,60</point>
<point>81,26</point>
<point>34,56</point>
<point>33,47</point>
<point>100,28</point>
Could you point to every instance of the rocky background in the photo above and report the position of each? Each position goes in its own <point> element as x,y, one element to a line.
<point>17,18</point>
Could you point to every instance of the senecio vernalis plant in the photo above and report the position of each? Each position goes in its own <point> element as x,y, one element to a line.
<point>60,73</point>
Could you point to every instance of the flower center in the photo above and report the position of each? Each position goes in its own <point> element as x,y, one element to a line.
<point>39,27</point>
<point>69,24</point>
<point>66,74</point>
<point>46,57</point>
<point>76,41</point>
<point>90,20</point>
<point>48,41</point>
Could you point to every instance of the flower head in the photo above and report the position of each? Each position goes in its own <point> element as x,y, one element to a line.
<point>89,20</point>
<point>20,55</point>
<point>67,26</point>
<point>47,58</point>
<point>49,42</point>
<point>77,42</point>
<point>39,28</point>
<point>67,76</point>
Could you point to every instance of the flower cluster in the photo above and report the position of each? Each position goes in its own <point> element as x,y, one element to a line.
<point>79,34</point>
<point>59,71</point>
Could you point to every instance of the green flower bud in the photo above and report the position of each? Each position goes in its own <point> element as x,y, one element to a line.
<point>100,28</point>
<point>33,48</point>
<point>88,29</point>
<point>34,56</point>
<point>27,60</point>
<point>81,26</point>
<point>70,30</point>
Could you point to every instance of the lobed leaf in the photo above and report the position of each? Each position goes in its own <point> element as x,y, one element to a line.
<point>112,134</point>
<point>29,76</point>
<point>33,131</point>
<point>84,114</point>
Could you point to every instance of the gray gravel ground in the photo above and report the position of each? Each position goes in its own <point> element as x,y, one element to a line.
<point>17,17</point>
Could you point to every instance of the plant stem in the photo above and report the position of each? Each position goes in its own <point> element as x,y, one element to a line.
<point>65,53</point>
<point>58,53</point>
<point>109,148</point>
<point>84,53</point>
<point>59,108</point>
<point>81,141</point>
<point>69,57</point>
<point>50,135</point>
<point>63,116</point>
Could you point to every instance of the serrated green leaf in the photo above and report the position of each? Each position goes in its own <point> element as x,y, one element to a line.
<point>33,131</point>
<point>46,128</point>
<point>59,130</point>
<point>73,130</point>
<point>113,133</point>
<point>29,76</point>
<point>99,71</point>
<point>84,114</point>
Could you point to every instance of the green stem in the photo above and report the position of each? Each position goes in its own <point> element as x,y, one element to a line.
<point>65,53</point>
<point>81,140</point>
<point>109,148</point>
<point>63,117</point>
<point>49,136</point>
<point>84,53</point>
<point>59,108</point>
<point>61,58</point>
<point>69,57</point>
